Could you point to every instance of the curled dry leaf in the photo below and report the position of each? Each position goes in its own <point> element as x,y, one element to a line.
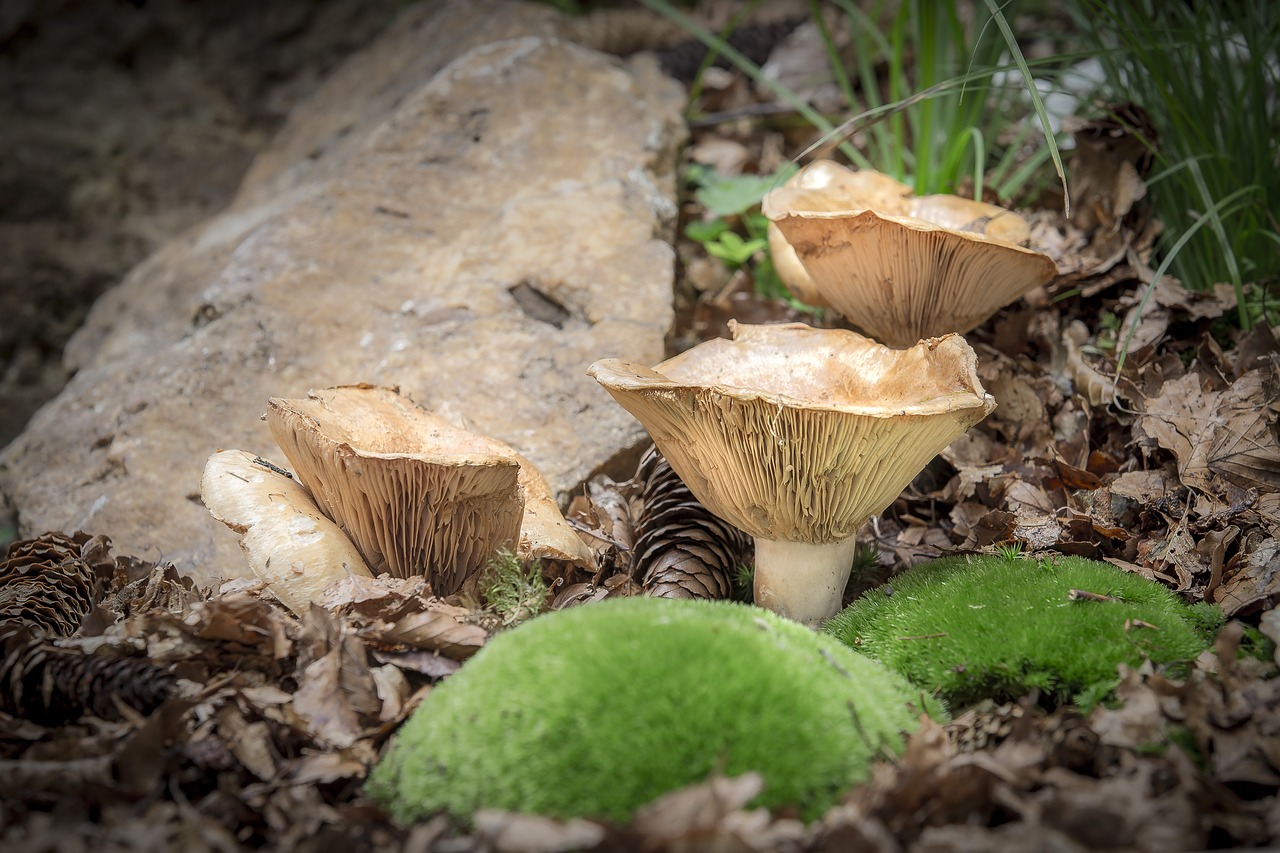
<point>244,620</point>
<point>712,816</point>
<point>1225,433</point>
<point>396,616</point>
<point>434,628</point>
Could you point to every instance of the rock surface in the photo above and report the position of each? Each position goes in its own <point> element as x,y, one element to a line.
<point>472,210</point>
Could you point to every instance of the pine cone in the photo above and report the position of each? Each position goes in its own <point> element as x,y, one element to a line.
<point>52,686</point>
<point>48,584</point>
<point>681,549</point>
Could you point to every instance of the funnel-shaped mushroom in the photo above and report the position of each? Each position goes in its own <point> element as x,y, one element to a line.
<point>902,268</point>
<point>290,545</point>
<point>798,435</point>
<point>416,494</point>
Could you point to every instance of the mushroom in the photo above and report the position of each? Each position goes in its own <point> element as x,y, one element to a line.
<point>544,534</point>
<point>290,545</point>
<point>797,435</point>
<point>900,267</point>
<point>416,494</point>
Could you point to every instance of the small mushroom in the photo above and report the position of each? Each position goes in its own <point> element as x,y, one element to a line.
<point>798,435</point>
<point>290,544</point>
<point>415,493</point>
<point>902,268</point>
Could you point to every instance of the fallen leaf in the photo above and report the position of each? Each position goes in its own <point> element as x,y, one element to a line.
<point>336,693</point>
<point>512,832</point>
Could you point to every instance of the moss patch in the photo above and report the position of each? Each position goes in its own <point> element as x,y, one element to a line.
<point>972,628</point>
<point>596,710</point>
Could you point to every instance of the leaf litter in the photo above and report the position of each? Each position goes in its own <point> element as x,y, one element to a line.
<point>256,727</point>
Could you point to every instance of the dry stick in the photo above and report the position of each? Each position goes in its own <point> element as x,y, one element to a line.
<point>1085,595</point>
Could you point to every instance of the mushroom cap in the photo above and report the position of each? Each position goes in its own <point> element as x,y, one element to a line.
<point>800,434</point>
<point>416,494</point>
<point>290,545</point>
<point>901,267</point>
<point>544,534</point>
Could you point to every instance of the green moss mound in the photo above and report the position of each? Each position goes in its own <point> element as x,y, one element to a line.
<point>972,628</point>
<point>596,710</point>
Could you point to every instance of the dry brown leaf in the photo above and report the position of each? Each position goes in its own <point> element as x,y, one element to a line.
<point>1090,383</point>
<point>511,832</point>
<point>1254,579</point>
<point>433,629</point>
<point>1231,433</point>
<point>1139,721</point>
<point>1270,626</point>
<point>250,742</point>
<point>711,816</point>
<point>1147,325</point>
<point>1245,446</point>
<point>393,692</point>
<point>337,693</point>
<point>241,619</point>
<point>373,596</point>
<point>312,767</point>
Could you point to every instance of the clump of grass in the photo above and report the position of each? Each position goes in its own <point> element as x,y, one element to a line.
<point>515,590</point>
<point>599,709</point>
<point>950,101</point>
<point>1207,73</point>
<point>997,626</point>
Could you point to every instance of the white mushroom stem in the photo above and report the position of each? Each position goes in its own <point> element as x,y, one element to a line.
<point>801,581</point>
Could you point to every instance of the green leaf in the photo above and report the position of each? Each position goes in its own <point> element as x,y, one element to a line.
<point>705,231</point>
<point>732,249</point>
<point>735,195</point>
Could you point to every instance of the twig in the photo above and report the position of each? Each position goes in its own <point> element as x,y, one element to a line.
<point>1085,595</point>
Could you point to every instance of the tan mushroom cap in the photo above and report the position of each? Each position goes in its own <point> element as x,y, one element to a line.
<point>799,434</point>
<point>903,268</point>
<point>544,534</point>
<point>289,543</point>
<point>416,494</point>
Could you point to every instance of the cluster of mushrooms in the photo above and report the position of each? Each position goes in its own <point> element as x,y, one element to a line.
<point>382,487</point>
<point>793,434</point>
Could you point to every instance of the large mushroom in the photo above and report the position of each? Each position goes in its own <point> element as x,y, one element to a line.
<point>798,435</point>
<point>901,267</point>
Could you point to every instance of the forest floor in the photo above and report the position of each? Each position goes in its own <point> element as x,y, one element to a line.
<point>261,726</point>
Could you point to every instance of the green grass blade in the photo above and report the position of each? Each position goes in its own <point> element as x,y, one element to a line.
<point>1041,113</point>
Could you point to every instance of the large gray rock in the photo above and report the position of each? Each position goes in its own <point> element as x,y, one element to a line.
<point>476,232</point>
